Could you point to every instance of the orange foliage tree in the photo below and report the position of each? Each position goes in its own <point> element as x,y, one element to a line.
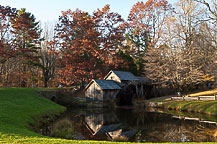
<point>89,44</point>
<point>109,26</point>
<point>79,45</point>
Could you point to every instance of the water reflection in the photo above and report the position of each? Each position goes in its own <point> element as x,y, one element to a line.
<point>134,125</point>
<point>107,123</point>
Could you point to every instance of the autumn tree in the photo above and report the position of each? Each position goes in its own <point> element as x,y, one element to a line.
<point>189,51</point>
<point>205,42</point>
<point>80,47</point>
<point>211,6</point>
<point>89,44</point>
<point>6,14</point>
<point>48,57</point>
<point>145,25</point>
<point>186,31</point>
<point>26,36</point>
<point>208,36</point>
<point>6,51</point>
<point>110,27</point>
<point>48,54</point>
<point>19,35</point>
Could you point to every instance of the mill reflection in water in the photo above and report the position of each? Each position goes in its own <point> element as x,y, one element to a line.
<point>107,123</point>
<point>136,125</point>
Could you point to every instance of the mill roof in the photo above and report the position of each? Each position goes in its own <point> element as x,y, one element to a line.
<point>144,80</point>
<point>107,128</point>
<point>123,75</point>
<point>105,84</point>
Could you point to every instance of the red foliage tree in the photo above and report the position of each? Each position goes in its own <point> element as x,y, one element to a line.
<point>89,44</point>
<point>149,17</point>
<point>109,25</point>
<point>26,36</point>
<point>6,14</point>
<point>79,45</point>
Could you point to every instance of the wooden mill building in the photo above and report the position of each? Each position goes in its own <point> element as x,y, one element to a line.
<point>114,81</point>
<point>101,90</point>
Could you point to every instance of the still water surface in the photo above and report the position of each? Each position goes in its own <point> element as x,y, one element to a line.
<point>133,125</point>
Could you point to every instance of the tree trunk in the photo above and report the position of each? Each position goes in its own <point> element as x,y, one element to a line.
<point>46,79</point>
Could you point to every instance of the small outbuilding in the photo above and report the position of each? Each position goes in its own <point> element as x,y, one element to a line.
<point>101,90</point>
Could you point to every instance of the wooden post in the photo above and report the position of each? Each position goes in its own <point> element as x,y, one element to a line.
<point>137,91</point>
<point>142,94</point>
<point>215,96</point>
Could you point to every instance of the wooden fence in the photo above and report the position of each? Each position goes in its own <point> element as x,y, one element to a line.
<point>196,98</point>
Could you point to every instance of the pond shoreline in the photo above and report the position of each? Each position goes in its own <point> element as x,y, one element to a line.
<point>205,107</point>
<point>44,120</point>
<point>147,122</point>
<point>28,107</point>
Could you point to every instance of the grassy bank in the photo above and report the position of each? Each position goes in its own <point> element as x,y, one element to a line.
<point>207,107</point>
<point>20,107</point>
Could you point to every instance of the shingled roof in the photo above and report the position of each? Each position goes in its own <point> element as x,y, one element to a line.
<point>107,128</point>
<point>105,84</point>
<point>123,75</point>
<point>144,80</point>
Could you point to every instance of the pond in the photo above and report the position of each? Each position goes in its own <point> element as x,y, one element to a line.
<point>133,125</point>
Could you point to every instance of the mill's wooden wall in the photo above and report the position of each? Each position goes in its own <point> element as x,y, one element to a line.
<point>94,92</point>
<point>109,94</point>
<point>113,77</point>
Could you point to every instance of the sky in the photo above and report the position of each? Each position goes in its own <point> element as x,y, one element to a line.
<point>50,10</point>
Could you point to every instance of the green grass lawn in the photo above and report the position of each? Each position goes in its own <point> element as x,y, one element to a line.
<point>207,107</point>
<point>21,106</point>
